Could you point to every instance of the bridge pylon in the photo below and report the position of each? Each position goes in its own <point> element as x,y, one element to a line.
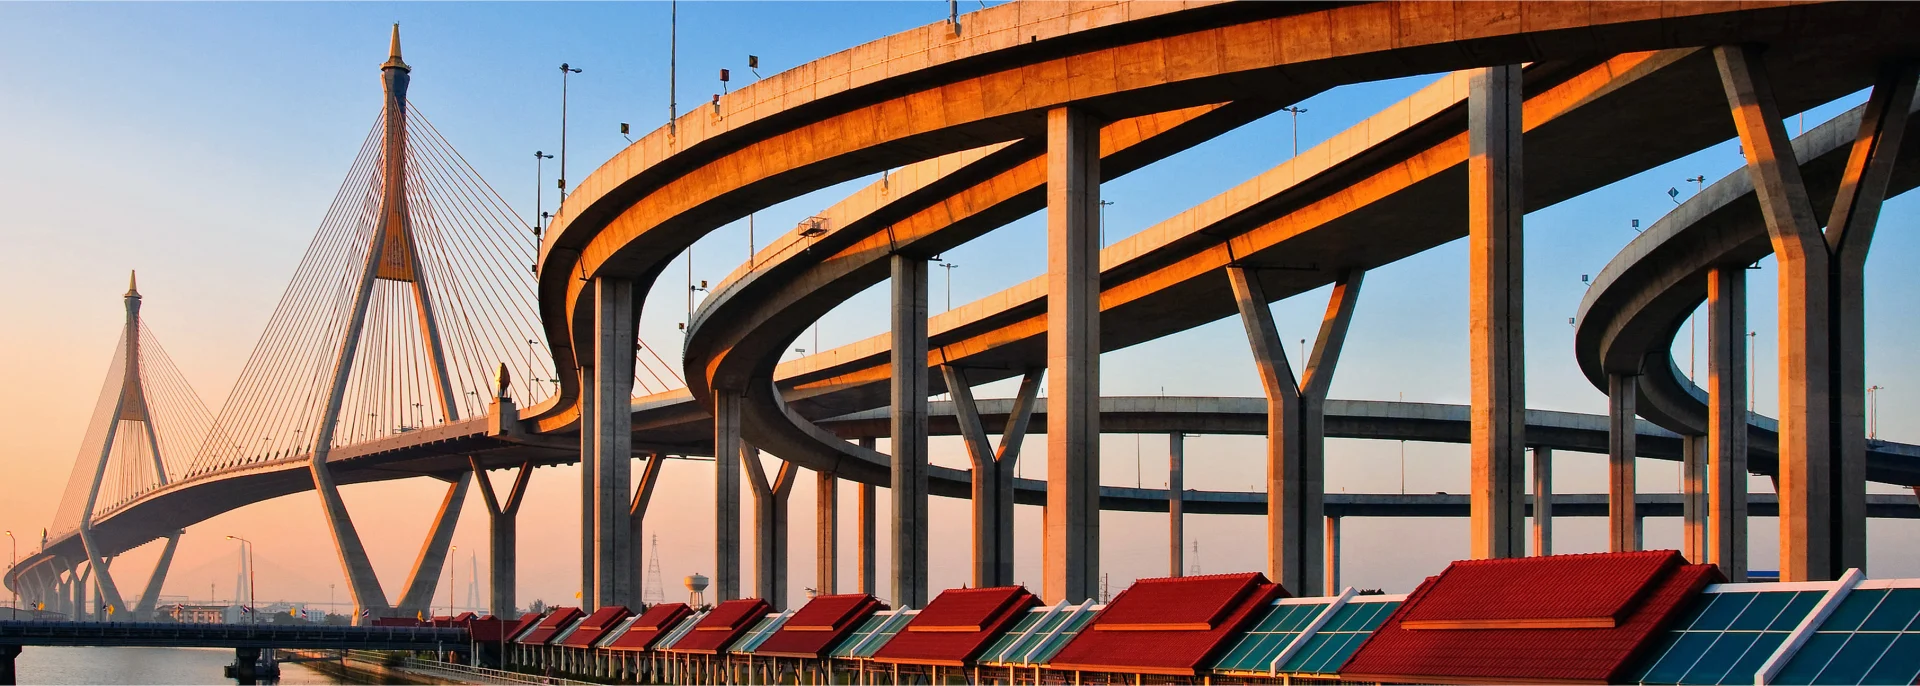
<point>393,255</point>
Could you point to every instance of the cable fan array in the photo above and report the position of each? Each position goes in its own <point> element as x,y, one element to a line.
<point>171,418</point>
<point>474,255</point>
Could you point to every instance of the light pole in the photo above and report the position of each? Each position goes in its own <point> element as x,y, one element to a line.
<point>452,575</point>
<point>1103,223</point>
<point>1752,397</point>
<point>330,599</point>
<point>540,185</point>
<point>1296,112</point>
<point>949,266</point>
<point>1873,417</point>
<point>14,562</point>
<point>246,555</point>
<point>565,71</point>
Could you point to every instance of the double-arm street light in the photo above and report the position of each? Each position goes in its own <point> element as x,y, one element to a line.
<point>246,554</point>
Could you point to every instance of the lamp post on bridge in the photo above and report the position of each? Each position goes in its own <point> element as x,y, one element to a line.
<point>565,71</point>
<point>246,554</point>
<point>13,560</point>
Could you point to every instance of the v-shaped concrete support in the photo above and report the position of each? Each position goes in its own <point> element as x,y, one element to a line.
<point>1822,323</point>
<point>1296,427</point>
<point>769,525</point>
<point>992,473</point>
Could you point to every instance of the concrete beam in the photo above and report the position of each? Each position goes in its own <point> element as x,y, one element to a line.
<point>612,425</point>
<point>1856,210</point>
<point>1622,482</point>
<point>826,577</point>
<point>727,449</point>
<point>503,537</point>
<point>909,437</point>
<point>1072,545</point>
<point>1807,517</point>
<point>1542,500</point>
<point>1727,420</point>
<point>1495,209</point>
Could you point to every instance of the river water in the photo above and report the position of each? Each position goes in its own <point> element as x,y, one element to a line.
<point>142,666</point>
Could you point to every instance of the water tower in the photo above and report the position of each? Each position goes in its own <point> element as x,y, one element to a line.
<point>696,590</point>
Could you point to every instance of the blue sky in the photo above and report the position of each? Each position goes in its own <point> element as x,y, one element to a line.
<point>201,144</point>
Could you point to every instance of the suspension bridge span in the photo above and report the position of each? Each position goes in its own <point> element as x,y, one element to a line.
<point>411,341</point>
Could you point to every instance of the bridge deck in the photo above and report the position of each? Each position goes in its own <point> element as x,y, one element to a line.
<point>170,635</point>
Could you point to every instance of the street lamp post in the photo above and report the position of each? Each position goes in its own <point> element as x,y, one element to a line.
<point>1296,112</point>
<point>246,553</point>
<point>565,71</point>
<point>540,188</point>
<point>453,574</point>
<point>949,266</point>
<point>13,560</point>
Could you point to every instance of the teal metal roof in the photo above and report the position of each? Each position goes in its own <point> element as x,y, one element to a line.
<point>1873,637</point>
<point>1727,636</point>
<point>873,633</point>
<point>1327,649</point>
<point>761,631</point>
<point>1282,623</point>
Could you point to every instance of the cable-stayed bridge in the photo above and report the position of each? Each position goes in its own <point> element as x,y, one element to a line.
<point>413,342</point>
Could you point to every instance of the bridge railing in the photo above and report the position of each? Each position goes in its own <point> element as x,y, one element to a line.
<point>467,674</point>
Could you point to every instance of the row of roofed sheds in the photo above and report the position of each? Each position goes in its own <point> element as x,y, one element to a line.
<point>1639,617</point>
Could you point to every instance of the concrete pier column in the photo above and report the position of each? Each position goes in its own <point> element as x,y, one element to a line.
<point>1727,420</point>
<point>1176,504</point>
<point>1542,500</point>
<point>1495,250</point>
<point>865,534</point>
<point>612,424</point>
<point>245,661</point>
<point>9,675</point>
<point>826,533</point>
<point>1693,498</point>
<point>727,447</point>
<point>1622,488</point>
<point>1333,556</point>
<point>503,554</point>
<point>769,526</point>
<point>909,435</point>
<point>588,452</point>
<point>1072,547</point>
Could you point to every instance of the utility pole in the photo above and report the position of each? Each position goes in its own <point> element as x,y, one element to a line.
<point>13,560</point>
<point>565,71</point>
<point>1296,112</point>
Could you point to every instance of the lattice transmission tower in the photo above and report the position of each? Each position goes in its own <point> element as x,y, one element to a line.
<point>653,591</point>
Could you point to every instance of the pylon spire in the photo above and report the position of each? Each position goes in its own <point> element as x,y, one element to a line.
<point>133,284</point>
<point>393,52</point>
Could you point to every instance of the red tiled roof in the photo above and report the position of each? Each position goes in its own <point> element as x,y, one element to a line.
<point>1562,590</point>
<point>1524,654</point>
<point>596,625</point>
<point>721,627</point>
<point>555,620</point>
<point>651,624</point>
<point>1144,628</point>
<point>819,625</point>
<point>957,625</point>
<point>525,622</point>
